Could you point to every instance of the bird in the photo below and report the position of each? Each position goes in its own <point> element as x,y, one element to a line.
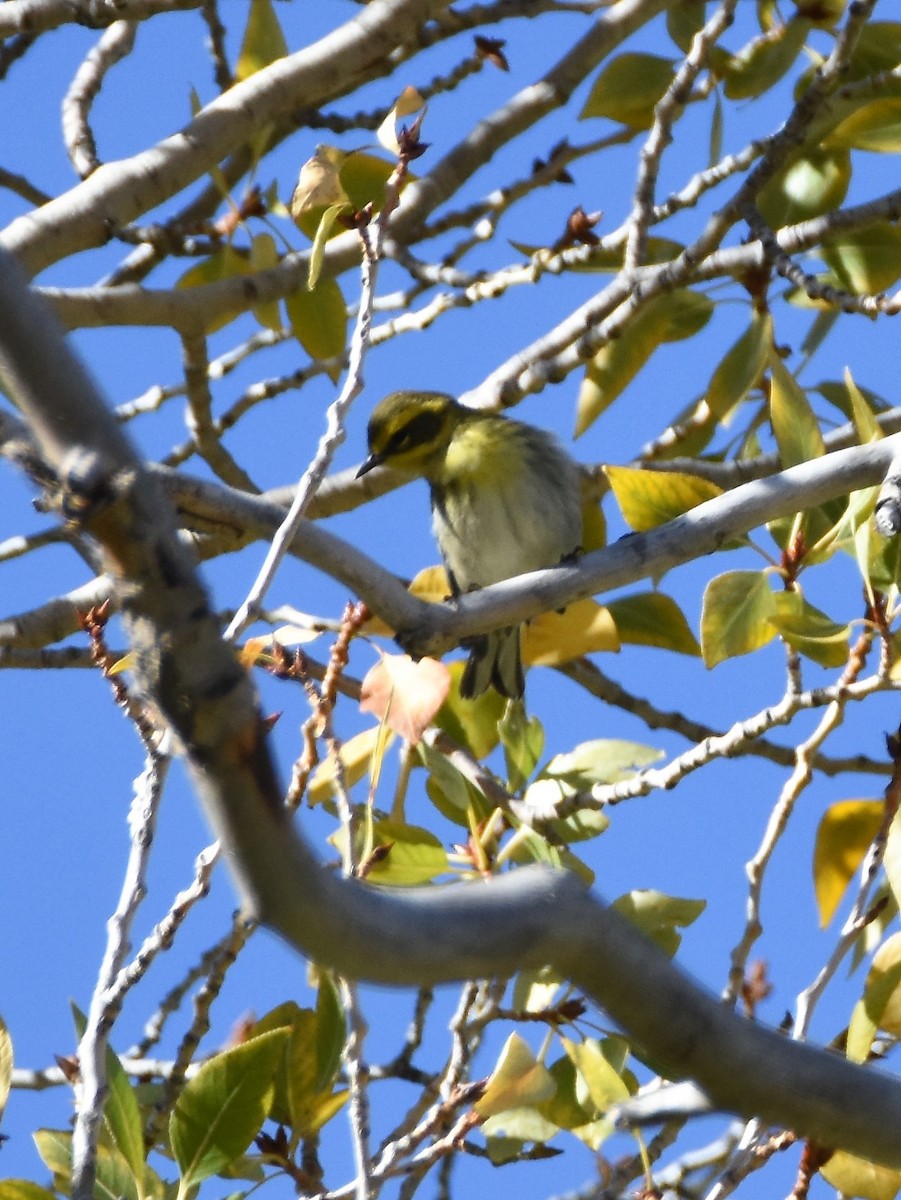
<point>506,499</point>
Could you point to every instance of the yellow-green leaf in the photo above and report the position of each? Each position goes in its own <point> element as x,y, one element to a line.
<point>845,832</point>
<point>319,321</point>
<point>413,855</point>
<point>24,1189</point>
<point>857,1177</point>
<point>658,916</point>
<point>264,256</point>
<point>809,630</point>
<point>876,126</point>
<point>794,424</point>
<point>628,88</point>
<point>764,61</point>
<point>812,183</point>
<point>865,260</point>
<point>224,263</point>
<point>263,41</point>
<point>892,860</point>
<point>356,756</point>
<point>741,367</point>
<point>517,1080</point>
<point>671,317</point>
<point>650,498</point>
<point>683,20</point>
<point>736,615</point>
<point>472,723</point>
<point>223,1106</point>
<point>602,1082</point>
<point>653,619</point>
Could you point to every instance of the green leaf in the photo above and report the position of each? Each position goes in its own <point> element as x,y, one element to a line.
<point>671,317</point>
<point>684,19</point>
<point>24,1189</point>
<point>565,1108</point>
<point>628,88</point>
<point>653,619</point>
<point>323,232</point>
<point>651,498</point>
<point>736,615</point>
<point>318,320</point>
<point>449,790</point>
<point>862,412</point>
<point>264,256</point>
<point>471,723</point>
<point>865,261</point>
<point>223,1107</point>
<point>602,760</point>
<point>892,861</point>
<point>794,425</point>
<point>876,126</point>
<point>741,367</point>
<point>808,630</point>
<point>415,856</point>
<point>812,183</point>
<point>845,831</point>
<point>263,41</point>
<point>764,61</point>
<point>309,1104</point>
<point>659,917</point>
<point>523,742</point>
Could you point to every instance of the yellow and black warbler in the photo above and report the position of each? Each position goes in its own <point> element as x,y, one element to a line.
<point>506,499</point>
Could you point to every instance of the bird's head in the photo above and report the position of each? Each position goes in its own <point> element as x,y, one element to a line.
<point>411,431</point>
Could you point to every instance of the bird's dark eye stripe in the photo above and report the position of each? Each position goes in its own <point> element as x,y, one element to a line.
<point>422,429</point>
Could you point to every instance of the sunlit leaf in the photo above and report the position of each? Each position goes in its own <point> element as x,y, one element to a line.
<point>471,723</point>
<point>523,740</point>
<point>809,630</point>
<point>812,183</point>
<point>741,367</point>
<point>736,615</point>
<point>653,619</point>
<point>794,424</point>
<point>603,1083</point>
<point>264,256</point>
<point>224,263</point>
<point>628,88</point>
<point>866,260</point>
<point>600,761</point>
<point>356,756</point>
<point>517,1080</point>
<point>671,317</point>
<point>858,1177</point>
<point>584,627</point>
<point>651,498</point>
<point>876,126</point>
<point>845,831</point>
<point>319,321</point>
<point>413,856</point>
<point>408,102</point>
<point>658,916</point>
<point>222,1107</point>
<point>263,41</point>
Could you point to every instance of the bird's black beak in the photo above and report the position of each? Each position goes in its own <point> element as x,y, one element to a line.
<point>373,460</point>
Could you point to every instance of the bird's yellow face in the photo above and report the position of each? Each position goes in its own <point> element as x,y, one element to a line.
<point>411,431</point>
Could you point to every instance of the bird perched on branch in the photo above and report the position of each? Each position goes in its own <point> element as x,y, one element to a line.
<point>506,499</point>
